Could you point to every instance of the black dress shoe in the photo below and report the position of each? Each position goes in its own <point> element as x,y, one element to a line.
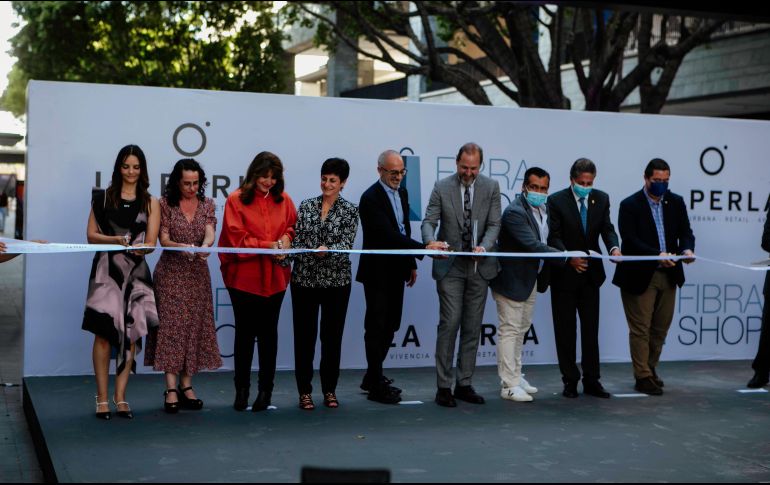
<point>759,380</point>
<point>658,381</point>
<point>262,401</point>
<point>468,394</point>
<point>595,389</point>
<point>570,390</point>
<point>444,398</point>
<point>384,394</point>
<point>648,386</point>
<point>367,386</point>
<point>186,402</point>
<point>241,399</point>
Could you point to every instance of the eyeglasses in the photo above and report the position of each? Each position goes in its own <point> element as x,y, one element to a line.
<point>393,173</point>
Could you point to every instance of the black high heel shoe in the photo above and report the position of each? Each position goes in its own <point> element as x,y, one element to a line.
<point>187,403</point>
<point>123,414</point>
<point>170,407</point>
<point>105,415</point>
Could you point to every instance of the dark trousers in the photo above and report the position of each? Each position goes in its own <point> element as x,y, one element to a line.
<point>384,301</point>
<point>761,364</point>
<point>584,300</point>
<point>256,317</point>
<point>333,304</point>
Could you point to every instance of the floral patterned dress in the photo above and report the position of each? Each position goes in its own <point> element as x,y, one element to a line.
<point>186,340</point>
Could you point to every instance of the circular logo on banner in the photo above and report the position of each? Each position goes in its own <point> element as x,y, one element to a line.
<point>712,161</point>
<point>200,132</point>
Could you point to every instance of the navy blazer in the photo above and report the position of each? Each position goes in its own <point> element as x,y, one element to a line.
<point>378,223</point>
<point>567,234</point>
<point>640,237</point>
<point>520,233</point>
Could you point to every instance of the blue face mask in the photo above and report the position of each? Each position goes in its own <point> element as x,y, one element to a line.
<point>581,191</point>
<point>658,188</point>
<point>536,199</point>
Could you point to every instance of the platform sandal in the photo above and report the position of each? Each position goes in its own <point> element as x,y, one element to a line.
<point>170,407</point>
<point>187,403</point>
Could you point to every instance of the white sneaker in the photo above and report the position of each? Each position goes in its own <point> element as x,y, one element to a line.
<point>515,394</point>
<point>528,388</point>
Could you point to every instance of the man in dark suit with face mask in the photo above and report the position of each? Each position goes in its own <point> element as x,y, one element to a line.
<point>580,215</point>
<point>652,222</point>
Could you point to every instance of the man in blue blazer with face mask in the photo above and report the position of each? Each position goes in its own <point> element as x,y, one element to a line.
<point>652,222</point>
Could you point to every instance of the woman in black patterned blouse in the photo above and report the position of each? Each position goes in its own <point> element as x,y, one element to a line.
<point>322,280</point>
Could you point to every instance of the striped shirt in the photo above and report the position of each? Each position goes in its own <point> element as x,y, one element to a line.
<point>657,216</point>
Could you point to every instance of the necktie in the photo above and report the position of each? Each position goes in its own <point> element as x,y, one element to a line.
<point>467,220</point>
<point>583,214</point>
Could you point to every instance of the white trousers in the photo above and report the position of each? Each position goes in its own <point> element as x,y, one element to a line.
<point>514,320</point>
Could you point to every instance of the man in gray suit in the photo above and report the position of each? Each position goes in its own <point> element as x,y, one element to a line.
<point>524,230</point>
<point>465,207</point>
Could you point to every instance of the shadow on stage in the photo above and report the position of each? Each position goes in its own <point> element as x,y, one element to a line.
<point>701,430</point>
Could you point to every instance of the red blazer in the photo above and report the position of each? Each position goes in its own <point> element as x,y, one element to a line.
<point>257,225</point>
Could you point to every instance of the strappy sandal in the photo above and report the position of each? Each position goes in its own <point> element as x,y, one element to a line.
<point>106,415</point>
<point>306,402</point>
<point>187,403</point>
<point>170,407</point>
<point>123,414</point>
<point>330,400</point>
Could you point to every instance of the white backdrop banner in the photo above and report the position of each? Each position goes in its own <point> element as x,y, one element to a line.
<point>75,131</point>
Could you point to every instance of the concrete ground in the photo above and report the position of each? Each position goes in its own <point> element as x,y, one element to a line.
<point>701,430</point>
<point>18,462</point>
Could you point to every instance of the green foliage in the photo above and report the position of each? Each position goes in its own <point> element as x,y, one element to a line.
<point>232,45</point>
<point>14,99</point>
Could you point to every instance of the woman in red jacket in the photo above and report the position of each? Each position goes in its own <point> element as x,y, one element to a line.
<point>257,215</point>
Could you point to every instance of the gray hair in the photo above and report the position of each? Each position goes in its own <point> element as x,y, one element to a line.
<point>384,156</point>
<point>582,165</point>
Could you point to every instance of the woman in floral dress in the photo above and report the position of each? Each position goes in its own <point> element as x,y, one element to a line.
<point>186,340</point>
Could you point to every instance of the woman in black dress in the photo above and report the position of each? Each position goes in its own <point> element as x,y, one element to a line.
<point>120,307</point>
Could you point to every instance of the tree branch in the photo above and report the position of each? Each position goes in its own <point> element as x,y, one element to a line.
<point>384,55</point>
<point>481,68</point>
